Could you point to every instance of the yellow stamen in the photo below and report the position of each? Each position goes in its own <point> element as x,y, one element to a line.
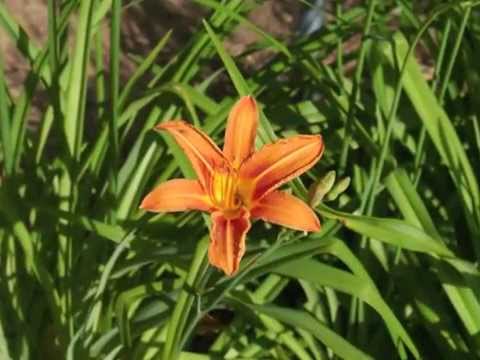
<point>224,189</point>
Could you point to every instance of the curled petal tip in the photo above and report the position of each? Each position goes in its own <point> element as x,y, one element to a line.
<point>250,99</point>
<point>316,227</point>
<point>169,124</point>
<point>146,203</point>
<point>142,205</point>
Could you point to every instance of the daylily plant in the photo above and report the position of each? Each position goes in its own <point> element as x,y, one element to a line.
<point>238,184</point>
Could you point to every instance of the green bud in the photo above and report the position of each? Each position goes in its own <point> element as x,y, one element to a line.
<point>320,188</point>
<point>339,188</point>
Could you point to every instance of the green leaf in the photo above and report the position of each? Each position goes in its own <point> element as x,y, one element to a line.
<point>303,320</point>
<point>143,68</point>
<point>440,128</point>
<point>392,231</point>
<point>5,123</point>
<point>77,80</point>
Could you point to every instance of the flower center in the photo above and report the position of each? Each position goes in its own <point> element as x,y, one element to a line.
<point>224,189</point>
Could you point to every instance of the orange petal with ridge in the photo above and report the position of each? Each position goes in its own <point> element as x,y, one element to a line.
<point>241,131</point>
<point>277,163</point>
<point>284,209</point>
<point>177,195</point>
<point>202,152</point>
<point>227,240</point>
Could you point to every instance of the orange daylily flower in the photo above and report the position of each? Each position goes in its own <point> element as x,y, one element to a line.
<point>238,185</point>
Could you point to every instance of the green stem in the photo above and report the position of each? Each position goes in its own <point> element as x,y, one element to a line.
<point>396,101</point>
<point>354,95</point>
<point>181,312</point>
<point>114,95</point>
<point>420,154</point>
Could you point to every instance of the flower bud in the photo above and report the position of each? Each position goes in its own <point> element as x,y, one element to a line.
<point>339,188</point>
<point>320,188</point>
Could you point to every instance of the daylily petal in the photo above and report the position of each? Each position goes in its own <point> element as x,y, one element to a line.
<point>202,152</point>
<point>177,195</point>
<point>227,243</point>
<point>281,208</point>
<point>241,131</point>
<point>277,163</point>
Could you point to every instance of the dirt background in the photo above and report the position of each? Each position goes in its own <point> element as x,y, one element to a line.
<point>143,24</point>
